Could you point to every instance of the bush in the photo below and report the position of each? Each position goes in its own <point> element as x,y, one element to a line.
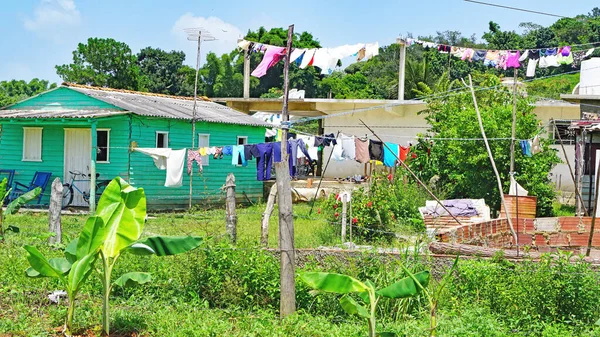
<point>528,294</point>
<point>390,204</point>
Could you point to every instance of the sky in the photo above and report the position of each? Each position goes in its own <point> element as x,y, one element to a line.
<point>36,35</point>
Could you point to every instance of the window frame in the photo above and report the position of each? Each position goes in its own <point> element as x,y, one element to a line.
<point>25,129</point>
<point>107,161</point>
<point>205,159</point>
<point>166,135</point>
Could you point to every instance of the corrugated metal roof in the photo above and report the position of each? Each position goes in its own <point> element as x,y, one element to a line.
<point>59,113</point>
<point>169,106</point>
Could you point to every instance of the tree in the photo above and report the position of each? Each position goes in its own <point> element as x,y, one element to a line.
<point>17,90</point>
<point>162,72</point>
<point>103,63</point>
<point>499,39</point>
<point>463,167</point>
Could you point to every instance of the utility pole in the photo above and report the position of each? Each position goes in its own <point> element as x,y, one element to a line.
<point>286,220</point>
<point>402,68</point>
<point>514,125</point>
<point>196,34</point>
<point>246,74</point>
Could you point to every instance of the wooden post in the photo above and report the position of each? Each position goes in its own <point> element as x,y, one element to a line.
<point>589,246</point>
<point>514,125</point>
<point>231,216</point>
<point>266,216</point>
<point>246,74</point>
<point>402,69</point>
<point>286,220</point>
<point>191,193</point>
<point>579,167</point>
<point>344,210</point>
<point>487,146</point>
<point>577,192</point>
<point>54,209</point>
<point>92,168</point>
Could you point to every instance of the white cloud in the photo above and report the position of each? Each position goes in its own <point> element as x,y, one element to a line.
<point>51,17</point>
<point>226,34</point>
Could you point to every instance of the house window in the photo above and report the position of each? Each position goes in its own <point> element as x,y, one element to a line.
<point>102,145</point>
<point>162,139</point>
<point>204,141</point>
<point>32,144</point>
<point>241,140</point>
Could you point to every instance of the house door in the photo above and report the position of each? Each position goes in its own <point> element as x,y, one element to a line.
<point>78,152</point>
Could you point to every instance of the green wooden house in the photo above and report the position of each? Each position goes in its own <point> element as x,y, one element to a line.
<point>58,130</point>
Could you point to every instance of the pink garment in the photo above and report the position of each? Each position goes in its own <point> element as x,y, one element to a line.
<point>502,55</point>
<point>468,54</point>
<point>512,60</point>
<point>193,156</point>
<point>272,56</point>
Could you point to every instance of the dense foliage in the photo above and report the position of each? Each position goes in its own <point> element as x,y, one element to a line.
<point>462,167</point>
<point>16,90</point>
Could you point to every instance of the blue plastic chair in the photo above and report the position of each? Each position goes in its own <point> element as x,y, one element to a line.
<point>40,179</point>
<point>9,175</point>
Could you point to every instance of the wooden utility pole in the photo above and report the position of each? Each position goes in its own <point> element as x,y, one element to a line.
<point>286,219</point>
<point>402,68</point>
<point>514,126</point>
<point>487,146</point>
<point>231,216</point>
<point>194,115</point>
<point>54,209</point>
<point>246,74</point>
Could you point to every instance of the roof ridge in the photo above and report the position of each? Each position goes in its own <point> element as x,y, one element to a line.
<point>125,91</point>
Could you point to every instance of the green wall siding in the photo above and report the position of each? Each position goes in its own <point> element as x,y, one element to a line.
<point>207,186</point>
<point>62,98</point>
<point>53,135</point>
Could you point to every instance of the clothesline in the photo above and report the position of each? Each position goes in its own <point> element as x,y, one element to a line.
<point>411,41</point>
<point>324,58</point>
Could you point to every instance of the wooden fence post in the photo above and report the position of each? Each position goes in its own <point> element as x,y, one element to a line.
<point>266,216</point>
<point>231,216</point>
<point>54,212</point>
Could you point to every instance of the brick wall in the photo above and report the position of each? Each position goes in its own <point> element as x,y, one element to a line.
<point>543,234</point>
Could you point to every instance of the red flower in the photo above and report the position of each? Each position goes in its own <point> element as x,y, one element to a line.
<point>390,177</point>
<point>413,155</point>
<point>370,204</point>
<point>337,214</point>
<point>319,211</point>
<point>337,196</point>
<point>335,205</point>
<point>355,220</point>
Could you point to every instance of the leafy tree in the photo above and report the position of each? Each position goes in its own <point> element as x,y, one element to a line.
<point>463,167</point>
<point>103,63</point>
<point>162,72</point>
<point>17,90</point>
<point>499,39</point>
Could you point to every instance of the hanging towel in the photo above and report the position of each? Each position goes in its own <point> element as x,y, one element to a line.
<point>531,65</point>
<point>272,56</point>
<point>296,54</point>
<point>524,56</point>
<point>549,61</point>
<point>307,58</point>
<point>525,147</point>
<point>325,61</point>
<point>536,147</point>
<point>515,187</point>
<point>361,150</point>
<point>338,151</point>
<point>170,160</point>
<point>348,147</point>
<point>390,154</point>
<point>404,152</point>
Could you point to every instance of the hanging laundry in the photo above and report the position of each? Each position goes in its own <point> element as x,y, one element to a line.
<point>325,61</point>
<point>360,54</point>
<point>444,49</point>
<point>516,189</point>
<point>238,156</point>
<point>531,65</point>
<point>296,55</point>
<point>211,150</point>
<point>338,151</point>
<point>566,51</point>
<point>251,151</point>
<point>526,147</point>
<point>349,147</point>
<point>307,58</point>
<point>579,56</point>
<point>428,45</point>
<point>375,150</point>
<point>228,150</point>
<point>479,55</point>
<point>536,147</point>
<point>193,156</point>
<point>468,54</point>
<point>243,44</point>
<point>404,152</point>
<point>167,159</point>
<point>457,51</point>
<point>524,56</point>
<point>203,151</point>
<point>550,51</point>
<point>502,58</point>
<point>264,161</point>
<point>326,140</point>
<point>272,56</point>
<point>371,50</point>
<point>298,144</point>
<point>565,59</point>
<point>362,150</point>
<point>512,59</point>
<point>390,154</point>
<point>491,58</point>
<point>218,153</point>
<point>549,61</point>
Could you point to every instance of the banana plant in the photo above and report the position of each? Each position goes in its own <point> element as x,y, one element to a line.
<point>13,206</point>
<point>433,295</point>
<point>115,229</point>
<point>343,284</point>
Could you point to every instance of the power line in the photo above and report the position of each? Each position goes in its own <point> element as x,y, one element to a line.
<point>515,8</point>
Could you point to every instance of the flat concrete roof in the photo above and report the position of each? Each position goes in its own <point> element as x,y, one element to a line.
<point>579,98</point>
